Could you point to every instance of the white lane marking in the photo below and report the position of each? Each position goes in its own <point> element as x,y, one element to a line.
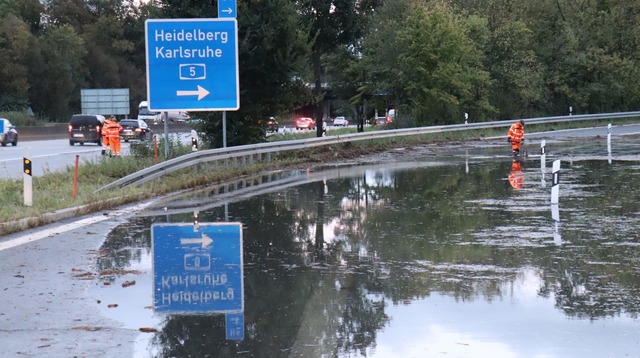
<point>44,233</point>
<point>25,239</point>
<point>86,151</point>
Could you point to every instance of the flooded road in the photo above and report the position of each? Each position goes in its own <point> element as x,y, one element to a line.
<point>420,252</point>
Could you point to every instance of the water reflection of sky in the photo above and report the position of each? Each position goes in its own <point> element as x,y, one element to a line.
<point>438,258</point>
<point>521,325</point>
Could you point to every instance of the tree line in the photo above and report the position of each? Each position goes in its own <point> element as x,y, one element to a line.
<point>432,60</point>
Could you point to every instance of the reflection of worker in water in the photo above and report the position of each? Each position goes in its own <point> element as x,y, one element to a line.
<point>516,176</point>
<point>516,136</point>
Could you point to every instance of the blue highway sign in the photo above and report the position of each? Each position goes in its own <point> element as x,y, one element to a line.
<point>198,270</point>
<point>227,8</point>
<point>192,64</point>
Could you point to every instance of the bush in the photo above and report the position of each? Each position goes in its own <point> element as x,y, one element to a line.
<point>20,118</point>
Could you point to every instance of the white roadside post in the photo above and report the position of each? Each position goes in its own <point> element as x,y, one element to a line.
<point>555,211</point>
<point>543,155</point>
<point>543,158</point>
<point>194,140</point>
<point>556,182</point>
<point>466,118</point>
<point>609,138</point>
<point>609,143</point>
<point>27,177</point>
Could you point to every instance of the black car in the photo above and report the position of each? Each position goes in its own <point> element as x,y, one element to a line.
<point>86,128</point>
<point>270,125</point>
<point>134,129</point>
<point>8,133</point>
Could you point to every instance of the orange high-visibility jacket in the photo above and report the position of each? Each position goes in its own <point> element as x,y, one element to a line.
<point>516,176</point>
<point>113,129</point>
<point>105,128</point>
<point>516,132</point>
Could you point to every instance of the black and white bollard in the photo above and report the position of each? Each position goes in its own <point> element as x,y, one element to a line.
<point>27,177</point>
<point>609,138</point>
<point>555,188</point>
<point>194,141</point>
<point>543,155</point>
<point>555,211</point>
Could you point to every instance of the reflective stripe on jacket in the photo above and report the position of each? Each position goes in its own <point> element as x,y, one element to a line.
<point>516,132</point>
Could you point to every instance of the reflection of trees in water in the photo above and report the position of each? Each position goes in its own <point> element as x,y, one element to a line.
<point>124,244</point>
<point>303,295</point>
<point>395,241</point>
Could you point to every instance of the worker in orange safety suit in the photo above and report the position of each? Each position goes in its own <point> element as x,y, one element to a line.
<point>516,136</point>
<point>105,136</point>
<point>516,176</point>
<point>113,132</point>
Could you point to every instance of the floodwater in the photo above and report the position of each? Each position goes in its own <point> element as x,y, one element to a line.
<point>427,252</point>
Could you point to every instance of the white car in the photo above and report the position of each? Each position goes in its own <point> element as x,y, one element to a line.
<point>340,121</point>
<point>8,133</point>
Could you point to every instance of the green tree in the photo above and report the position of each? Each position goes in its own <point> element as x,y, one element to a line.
<point>428,60</point>
<point>56,82</point>
<point>517,76</point>
<point>27,10</point>
<point>15,39</point>
<point>333,23</point>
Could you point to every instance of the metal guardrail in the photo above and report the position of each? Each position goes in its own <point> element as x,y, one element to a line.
<point>220,154</point>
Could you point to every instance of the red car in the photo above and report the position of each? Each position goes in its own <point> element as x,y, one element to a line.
<point>305,123</point>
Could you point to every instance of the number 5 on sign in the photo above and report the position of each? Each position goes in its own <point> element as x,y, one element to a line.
<point>193,71</point>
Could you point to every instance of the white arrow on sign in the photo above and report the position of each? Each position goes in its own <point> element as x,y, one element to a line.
<point>228,11</point>
<point>205,241</point>
<point>201,93</point>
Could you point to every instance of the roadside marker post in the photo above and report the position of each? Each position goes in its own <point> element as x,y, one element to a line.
<point>75,178</point>
<point>609,138</point>
<point>555,210</point>
<point>543,155</point>
<point>27,177</point>
<point>194,140</point>
<point>555,188</point>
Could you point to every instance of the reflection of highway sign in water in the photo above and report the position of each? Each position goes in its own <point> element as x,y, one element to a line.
<point>192,64</point>
<point>235,326</point>
<point>198,271</point>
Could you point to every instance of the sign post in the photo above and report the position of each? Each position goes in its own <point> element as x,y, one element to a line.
<point>192,64</point>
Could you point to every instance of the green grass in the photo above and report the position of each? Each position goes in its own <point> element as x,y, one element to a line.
<point>53,191</point>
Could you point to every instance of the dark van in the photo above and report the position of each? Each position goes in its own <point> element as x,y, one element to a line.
<point>86,128</point>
